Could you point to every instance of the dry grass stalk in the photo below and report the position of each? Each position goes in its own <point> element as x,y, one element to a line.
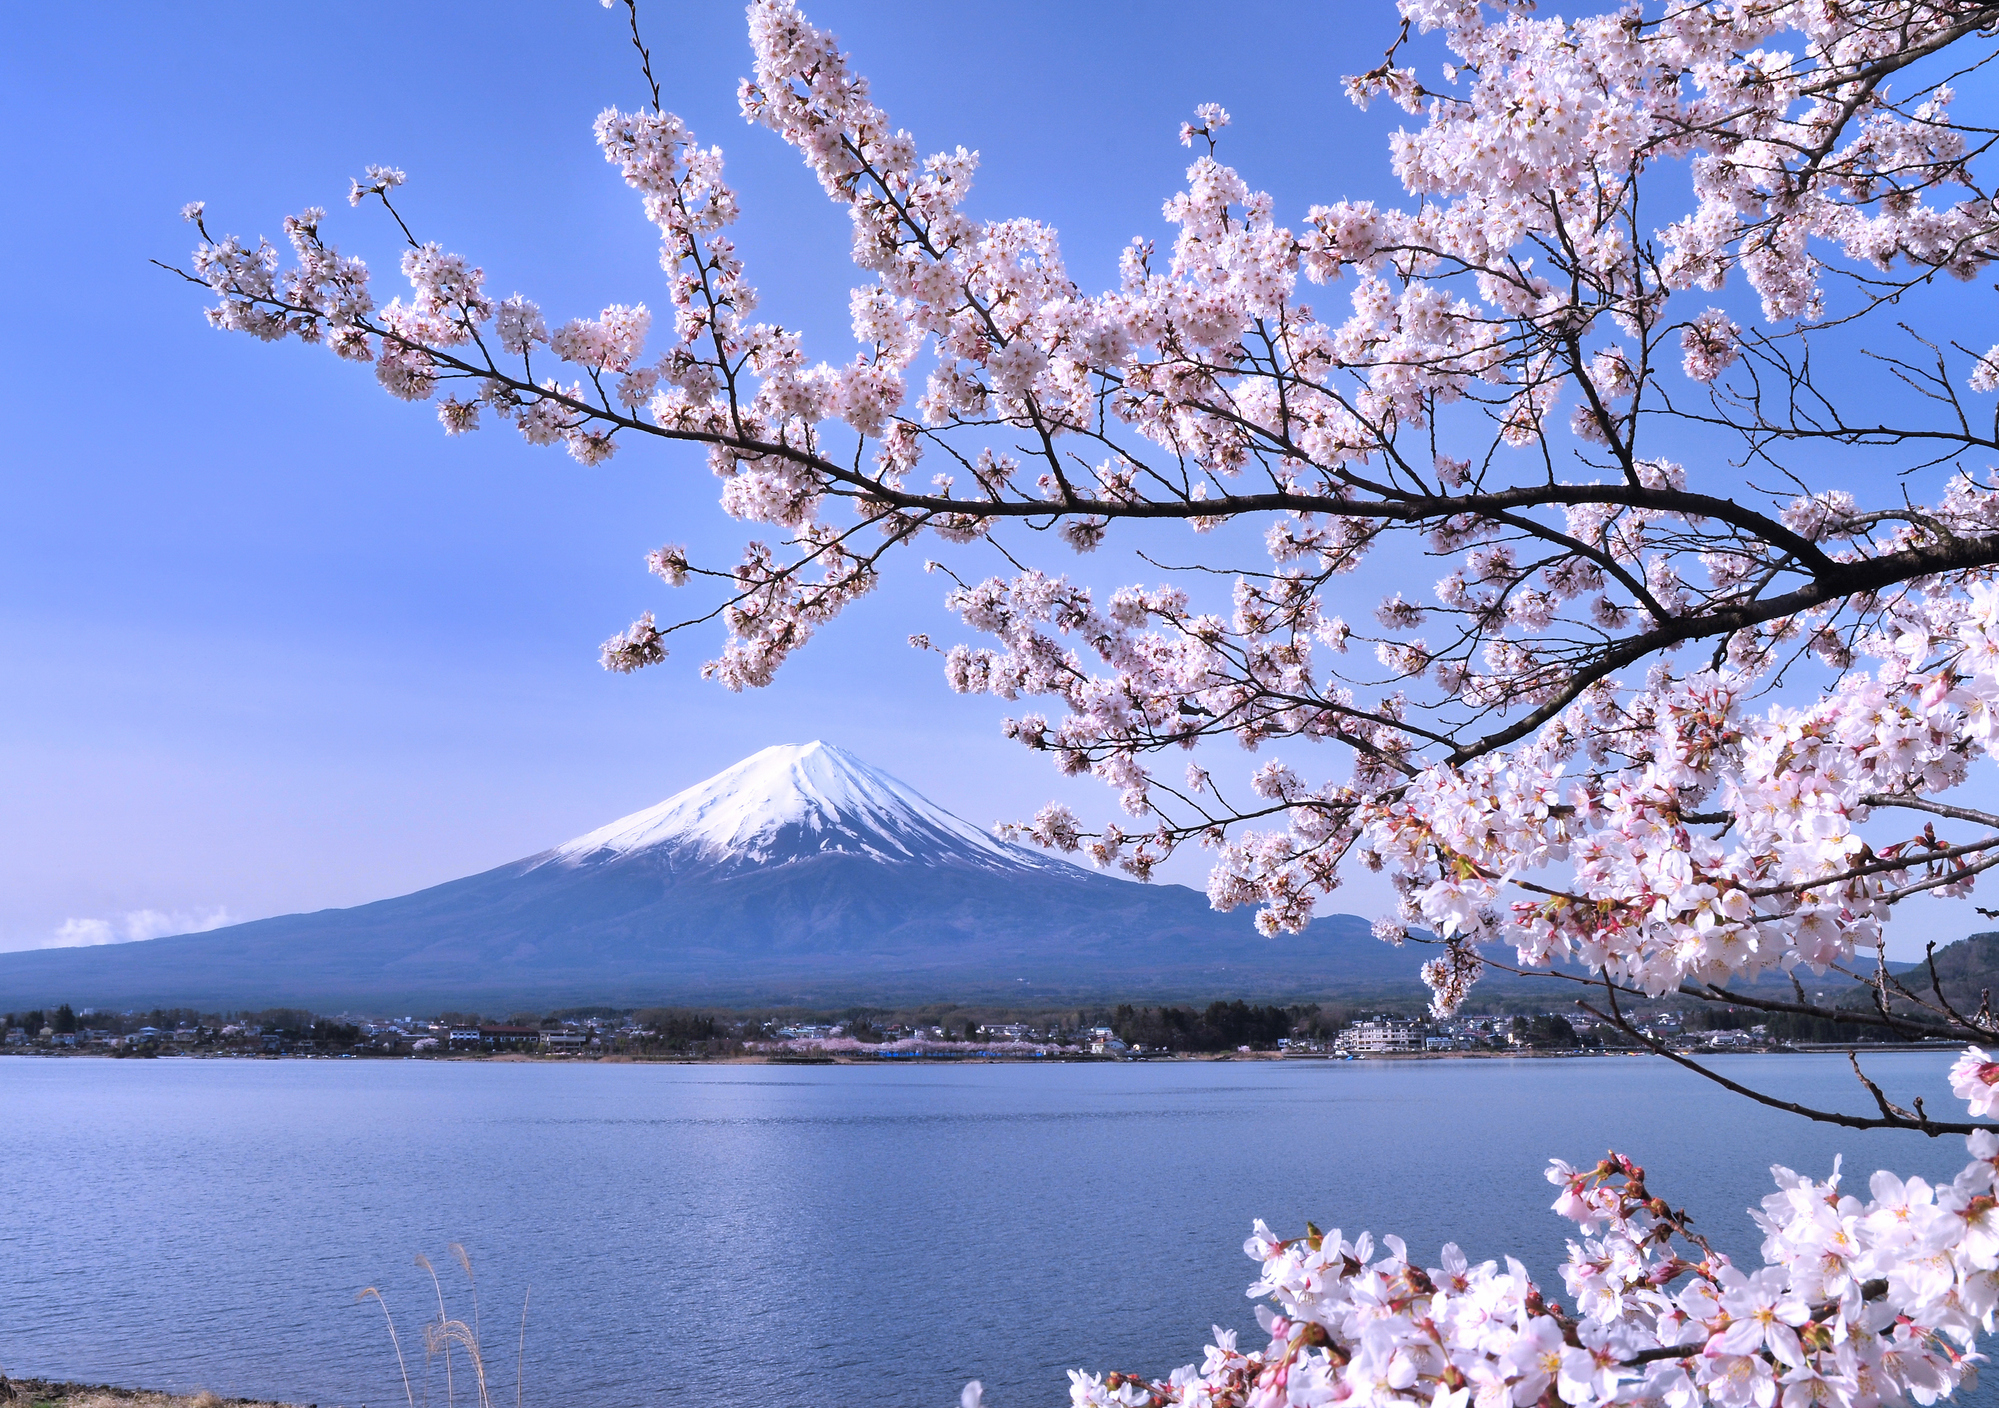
<point>520,1355</point>
<point>394,1339</point>
<point>457,1249</point>
<point>428,1351</point>
<point>442,1335</point>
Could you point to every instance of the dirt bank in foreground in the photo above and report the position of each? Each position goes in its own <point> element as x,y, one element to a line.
<point>47,1393</point>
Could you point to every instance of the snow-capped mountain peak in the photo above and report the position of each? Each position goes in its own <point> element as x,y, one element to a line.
<point>792,801</point>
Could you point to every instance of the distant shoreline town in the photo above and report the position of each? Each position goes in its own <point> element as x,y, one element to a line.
<point>1124,1032</point>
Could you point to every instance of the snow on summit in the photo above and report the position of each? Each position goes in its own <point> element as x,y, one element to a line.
<point>792,801</point>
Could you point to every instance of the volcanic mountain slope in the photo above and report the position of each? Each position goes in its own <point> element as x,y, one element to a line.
<point>800,875</point>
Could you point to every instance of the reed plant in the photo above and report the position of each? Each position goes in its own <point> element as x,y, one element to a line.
<point>448,1333</point>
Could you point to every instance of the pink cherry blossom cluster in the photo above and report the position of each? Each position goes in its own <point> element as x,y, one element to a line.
<point>1528,375</point>
<point>1858,1303</point>
<point>1648,896</point>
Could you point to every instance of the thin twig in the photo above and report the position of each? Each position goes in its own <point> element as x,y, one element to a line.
<point>645,57</point>
<point>1933,1128</point>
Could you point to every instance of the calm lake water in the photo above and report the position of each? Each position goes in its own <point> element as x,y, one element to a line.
<point>848,1236</point>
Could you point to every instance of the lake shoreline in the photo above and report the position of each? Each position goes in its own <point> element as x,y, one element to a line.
<point>63,1393</point>
<point>973,1058</point>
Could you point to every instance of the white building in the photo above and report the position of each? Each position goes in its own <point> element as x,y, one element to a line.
<point>1378,1035</point>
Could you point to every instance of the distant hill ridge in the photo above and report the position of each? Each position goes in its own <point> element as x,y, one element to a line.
<point>1964,970</point>
<point>800,875</point>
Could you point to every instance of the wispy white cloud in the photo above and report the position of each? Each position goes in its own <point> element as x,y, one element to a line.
<point>135,924</point>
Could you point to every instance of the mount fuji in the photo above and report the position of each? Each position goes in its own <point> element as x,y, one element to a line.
<point>799,876</point>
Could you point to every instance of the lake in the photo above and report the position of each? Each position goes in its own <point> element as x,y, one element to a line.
<point>832,1236</point>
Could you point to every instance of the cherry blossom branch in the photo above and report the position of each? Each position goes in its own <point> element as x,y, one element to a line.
<point>1888,1119</point>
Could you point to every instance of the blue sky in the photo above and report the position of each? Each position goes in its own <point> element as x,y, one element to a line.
<point>272,642</point>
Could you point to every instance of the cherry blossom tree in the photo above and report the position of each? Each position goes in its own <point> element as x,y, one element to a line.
<point>1654,364</point>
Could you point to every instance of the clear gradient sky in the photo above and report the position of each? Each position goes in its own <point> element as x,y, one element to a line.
<point>271,642</point>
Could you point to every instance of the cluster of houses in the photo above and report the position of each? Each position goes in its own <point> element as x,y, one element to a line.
<point>1396,1035</point>
<point>407,1036</point>
<point>1390,1035</point>
<point>993,1032</point>
<point>94,1036</point>
<point>508,1038</point>
<point>180,1038</point>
